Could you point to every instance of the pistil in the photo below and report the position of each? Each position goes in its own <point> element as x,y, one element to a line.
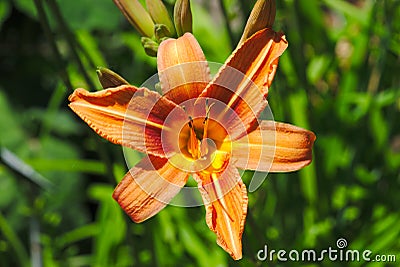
<point>198,146</point>
<point>194,142</point>
<point>204,145</point>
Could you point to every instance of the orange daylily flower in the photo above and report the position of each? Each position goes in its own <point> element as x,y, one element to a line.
<point>200,127</point>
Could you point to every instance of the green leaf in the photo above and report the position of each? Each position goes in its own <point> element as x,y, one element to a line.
<point>379,128</point>
<point>68,165</point>
<point>91,47</point>
<point>298,103</point>
<point>16,244</point>
<point>78,234</point>
<point>5,9</point>
<point>11,132</point>
<point>317,68</point>
<point>111,222</point>
<point>89,15</point>
<point>27,7</point>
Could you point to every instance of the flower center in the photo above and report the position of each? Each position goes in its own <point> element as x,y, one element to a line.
<point>198,145</point>
<point>201,144</point>
<point>201,141</point>
<point>200,138</point>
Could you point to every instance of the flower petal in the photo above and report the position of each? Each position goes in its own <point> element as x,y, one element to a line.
<point>258,57</point>
<point>225,197</point>
<point>243,82</point>
<point>274,147</point>
<point>127,116</point>
<point>148,187</point>
<point>182,68</point>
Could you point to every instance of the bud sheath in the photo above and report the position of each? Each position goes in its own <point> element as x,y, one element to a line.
<point>109,79</point>
<point>262,16</point>
<point>159,14</point>
<point>137,16</point>
<point>182,17</point>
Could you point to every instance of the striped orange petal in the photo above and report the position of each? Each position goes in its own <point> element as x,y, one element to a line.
<point>129,116</point>
<point>242,83</point>
<point>182,68</point>
<point>225,198</point>
<point>275,147</point>
<point>148,187</point>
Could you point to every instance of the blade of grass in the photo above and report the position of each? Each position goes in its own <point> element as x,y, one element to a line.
<point>16,164</point>
<point>35,246</point>
<point>15,242</point>
<point>68,165</point>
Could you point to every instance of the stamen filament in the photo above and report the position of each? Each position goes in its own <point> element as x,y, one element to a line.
<point>204,145</point>
<point>193,144</point>
<point>197,146</point>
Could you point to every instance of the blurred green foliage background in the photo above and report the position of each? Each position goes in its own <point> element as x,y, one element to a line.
<point>340,78</point>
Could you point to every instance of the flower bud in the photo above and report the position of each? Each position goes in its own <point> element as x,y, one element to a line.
<point>262,16</point>
<point>159,14</point>
<point>182,17</point>
<point>109,79</point>
<point>161,31</point>
<point>137,16</point>
<point>150,46</point>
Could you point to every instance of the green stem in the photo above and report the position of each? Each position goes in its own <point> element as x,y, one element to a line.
<point>49,35</point>
<point>378,63</point>
<point>86,54</point>
<point>36,249</point>
<point>70,39</point>
<point>227,24</point>
<point>298,45</point>
<point>25,171</point>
